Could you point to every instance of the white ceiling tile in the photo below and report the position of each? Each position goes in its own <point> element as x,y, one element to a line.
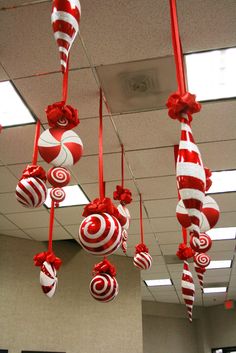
<point>224,245</point>
<point>3,74</point>
<point>211,153</point>
<point>31,219</point>
<point>218,273</point>
<point>226,202</point>
<point>135,227</point>
<point>41,234</point>
<point>169,237</point>
<point>6,224</point>
<point>69,215</point>
<point>161,208</point>
<point>8,181</point>
<point>15,233</point>
<point>227,219</point>
<point>158,188</point>
<point>222,255</point>
<point>9,204</point>
<point>148,299</point>
<point>166,224</point>
<point>169,249</point>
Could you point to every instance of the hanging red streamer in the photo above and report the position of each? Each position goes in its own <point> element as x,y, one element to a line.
<point>101,182</point>
<point>65,83</point>
<point>141,218</point>
<point>51,226</point>
<point>36,138</point>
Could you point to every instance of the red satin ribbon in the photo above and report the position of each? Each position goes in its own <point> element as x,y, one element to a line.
<point>51,226</point>
<point>141,218</point>
<point>141,248</point>
<point>65,82</point>
<point>36,138</point>
<point>101,182</point>
<point>122,166</point>
<point>104,267</point>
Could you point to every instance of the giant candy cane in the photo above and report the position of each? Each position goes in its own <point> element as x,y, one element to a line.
<point>188,289</point>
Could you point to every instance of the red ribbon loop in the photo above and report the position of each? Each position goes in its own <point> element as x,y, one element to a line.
<point>184,252</point>
<point>49,257</point>
<point>34,171</point>
<point>186,104</point>
<point>208,178</point>
<point>104,267</point>
<point>123,195</point>
<point>100,206</point>
<point>61,115</point>
<point>141,248</point>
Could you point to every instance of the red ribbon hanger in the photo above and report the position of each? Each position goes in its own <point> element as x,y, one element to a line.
<point>101,181</point>
<point>65,83</point>
<point>36,138</point>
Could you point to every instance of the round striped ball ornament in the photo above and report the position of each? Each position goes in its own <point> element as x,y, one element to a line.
<point>58,176</point>
<point>205,243</point>
<point>100,234</point>
<point>104,287</point>
<point>48,279</point>
<point>182,215</point>
<point>31,192</point>
<point>142,260</point>
<point>60,147</point>
<point>125,222</point>
<point>210,214</point>
<point>202,260</point>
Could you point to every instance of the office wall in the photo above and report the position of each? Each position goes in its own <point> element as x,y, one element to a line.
<point>71,321</point>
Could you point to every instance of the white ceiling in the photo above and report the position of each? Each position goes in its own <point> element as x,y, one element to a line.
<point>114,32</point>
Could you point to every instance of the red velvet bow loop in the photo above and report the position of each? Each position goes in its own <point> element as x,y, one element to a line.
<point>123,195</point>
<point>100,206</point>
<point>184,252</point>
<point>61,115</point>
<point>34,171</point>
<point>49,257</point>
<point>141,248</point>
<point>186,104</point>
<point>208,178</point>
<point>104,267</point>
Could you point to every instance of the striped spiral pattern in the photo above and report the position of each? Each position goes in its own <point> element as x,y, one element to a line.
<point>205,243</point>
<point>142,260</point>
<point>188,289</point>
<point>48,279</point>
<point>100,234</point>
<point>31,192</point>
<point>210,214</point>
<point>202,260</point>
<point>57,195</point>
<point>58,176</point>
<point>65,20</point>
<point>200,274</point>
<point>191,178</point>
<point>125,220</point>
<point>124,246</point>
<point>104,287</point>
<point>182,215</point>
<point>124,235</point>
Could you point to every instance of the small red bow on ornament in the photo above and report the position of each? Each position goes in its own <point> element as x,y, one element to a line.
<point>34,171</point>
<point>100,206</point>
<point>208,178</point>
<point>184,252</point>
<point>104,267</point>
<point>123,195</point>
<point>141,248</point>
<point>49,257</point>
<point>178,105</point>
<point>60,115</point>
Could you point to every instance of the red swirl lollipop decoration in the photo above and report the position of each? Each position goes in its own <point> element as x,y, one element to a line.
<point>58,176</point>
<point>205,243</point>
<point>202,260</point>
<point>57,195</point>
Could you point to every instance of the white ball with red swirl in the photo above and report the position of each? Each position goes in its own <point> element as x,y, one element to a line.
<point>100,234</point>
<point>48,279</point>
<point>124,246</point>
<point>125,216</point>
<point>205,243</point>
<point>31,192</point>
<point>202,260</point>
<point>142,260</point>
<point>210,214</point>
<point>57,195</point>
<point>104,287</point>
<point>58,177</point>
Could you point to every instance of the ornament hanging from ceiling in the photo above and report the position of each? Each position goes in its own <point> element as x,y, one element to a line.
<point>188,289</point>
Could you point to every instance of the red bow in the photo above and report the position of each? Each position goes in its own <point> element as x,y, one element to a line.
<point>34,171</point>
<point>104,267</point>
<point>184,252</point>
<point>59,112</point>
<point>100,206</point>
<point>123,195</point>
<point>49,257</point>
<point>178,105</point>
<point>141,248</point>
<point>208,178</point>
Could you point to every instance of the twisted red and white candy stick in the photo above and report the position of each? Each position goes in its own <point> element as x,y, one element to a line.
<point>48,279</point>
<point>200,274</point>
<point>188,289</point>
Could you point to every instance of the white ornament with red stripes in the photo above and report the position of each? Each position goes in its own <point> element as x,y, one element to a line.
<point>31,192</point>
<point>142,260</point>
<point>100,234</point>
<point>202,260</point>
<point>124,246</point>
<point>48,279</point>
<point>210,214</point>
<point>125,213</point>
<point>65,20</point>
<point>188,289</point>
<point>60,147</point>
<point>58,176</point>
<point>57,195</point>
<point>205,243</point>
<point>191,178</point>
<point>124,235</point>
<point>104,287</point>
<point>200,274</point>
<point>182,215</point>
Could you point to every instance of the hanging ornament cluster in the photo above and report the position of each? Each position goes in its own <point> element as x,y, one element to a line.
<point>196,212</point>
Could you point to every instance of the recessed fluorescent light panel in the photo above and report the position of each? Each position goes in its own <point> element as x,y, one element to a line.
<point>224,181</point>
<point>219,264</point>
<point>74,197</point>
<point>222,233</point>
<point>215,290</point>
<point>158,282</point>
<point>212,75</point>
<point>13,110</point>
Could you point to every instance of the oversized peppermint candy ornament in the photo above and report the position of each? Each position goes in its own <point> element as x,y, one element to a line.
<point>60,147</point>
<point>205,243</point>
<point>104,287</point>
<point>182,215</point>
<point>57,195</point>
<point>48,279</point>
<point>65,20</point>
<point>200,274</point>
<point>202,260</point>
<point>100,234</point>
<point>210,214</point>
<point>31,192</point>
<point>124,246</point>
<point>125,220</point>
<point>58,176</point>
<point>142,260</point>
<point>188,289</point>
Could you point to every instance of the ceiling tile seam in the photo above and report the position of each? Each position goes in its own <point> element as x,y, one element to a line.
<point>31,3</point>
<point>16,227</point>
<point>230,275</point>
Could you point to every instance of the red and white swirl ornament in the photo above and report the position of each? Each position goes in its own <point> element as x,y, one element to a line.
<point>57,195</point>
<point>202,260</point>
<point>125,219</point>
<point>58,176</point>
<point>188,289</point>
<point>31,192</point>
<point>104,287</point>
<point>60,147</point>
<point>142,260</point>
<point>210,214</point>
<point>100,234</point>
<point>182,215</point>
<point>65,20</point>
<point>205,243</point>
<point>200,274</point>
<point>48,279</point>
